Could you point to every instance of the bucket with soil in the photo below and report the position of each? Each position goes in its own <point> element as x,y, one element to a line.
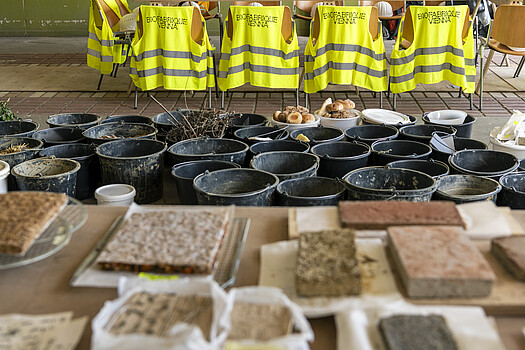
<point>279,145</point>
<point>60,135</point>
<point>460,143</point>
<point>185,173</point>
<point>242,187</point>
<point>79,120</point>
<point>47,174</point>
<point>488,163</point>
<point>16,150</point>
<point>318,135</point>
<point>102,133</point>
<point>423,133</point>
<point>208,148</point>
<point>513,191</point>
<point>339,158</point>
<point>467,188</point>
<point>18,128</point>
<point>384,152</point>
<point>381,183</point>
<point>310,191</point>
<point>89,173</point>
<point>371,133</point>
<point>431,167</point>
<point>286,164</point>
<point>136,162</point>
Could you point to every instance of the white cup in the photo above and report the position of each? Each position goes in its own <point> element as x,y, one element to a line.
<point>115,195</point>
<point>4,173</point>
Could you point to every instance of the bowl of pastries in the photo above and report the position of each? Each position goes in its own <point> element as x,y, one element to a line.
<point>294,117</point>
<point>340,114</point>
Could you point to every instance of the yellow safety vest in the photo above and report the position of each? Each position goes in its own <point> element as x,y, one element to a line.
<point>258,54</point>
<point>345,51</point>
<point>164,53</point>
<point>437,53</point>
<point>102,51</point>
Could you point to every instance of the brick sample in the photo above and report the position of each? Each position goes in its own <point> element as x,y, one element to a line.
<point>510,252</point>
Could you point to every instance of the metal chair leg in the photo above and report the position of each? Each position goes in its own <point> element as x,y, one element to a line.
<point>100,81</point>
<point>520,66</point>
<point>209,97</point>
<point>297,97</point>
<point>222,100</point>
<point>481,79</point>
<point>395,101</point>
<point>381,99</point>
<point>460,91</point>
<point>306,99</point>
<point>136,97</point>
<point>471,99</point>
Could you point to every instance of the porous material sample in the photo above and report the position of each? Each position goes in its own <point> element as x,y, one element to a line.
<point>416,332</point>
<point>178,240</point>
<point>439,262</point>
<point>378,215</point>
<point>156,314</point>
<point>259,321</point>
<point>510,252</point>
<point>24,216</point>
<point>327,264</point>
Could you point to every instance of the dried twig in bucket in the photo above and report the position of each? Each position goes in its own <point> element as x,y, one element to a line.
<point>205,123</point>
<point>171,115</point>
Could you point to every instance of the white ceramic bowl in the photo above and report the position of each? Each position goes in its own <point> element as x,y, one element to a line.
<point>341,123</point>
<point>295,126</point>
<point>447,117</point>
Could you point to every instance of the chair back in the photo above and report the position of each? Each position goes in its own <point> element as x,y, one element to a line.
<point>509,26</point>
<point>396,5</point>
<point>112,17</point>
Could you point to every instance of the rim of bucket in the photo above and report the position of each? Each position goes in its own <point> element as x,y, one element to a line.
<point>367,126</point>
<point>427,121</point>
<point>23,140</point>
<point>146,119</point>
<point>340,133</point>
<point>237,116</point>
<point>461,139</point>
<point>283,133</point>
<point>201,161</point>
<point>70,147</point>
<point>289,142</point>
<point>386,191</point>
<point>97,120</point>
<point>327,156</point>
<point>390,155</point>
<point>489,173</point>
<point>97,150</point>
<point>35,124</point>
<point>473,196</point>
<point>245,147</point>
<point>434,161</point>
<point>4,168</point>
<point>313,179</point>
<point>311,155</point>
<point>153,132</point>
<point>273,185</point>
<point>14,171</point>
<point>402,130</point>
<point>510,188</point>
<point>41,133</point>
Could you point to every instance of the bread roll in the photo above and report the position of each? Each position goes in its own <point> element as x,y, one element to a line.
<point>276,115</point>
<point>348,104</point>
<point>308,118</point>
<point>322,110</point>
<point>294,118</point>
<point>336,106</point>
<point>282,117</point>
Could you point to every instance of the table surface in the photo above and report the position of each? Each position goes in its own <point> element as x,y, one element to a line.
<point>43,287</point>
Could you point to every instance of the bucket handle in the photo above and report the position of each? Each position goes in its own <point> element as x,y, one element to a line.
<point>341,181</point>
<point>394,195</point>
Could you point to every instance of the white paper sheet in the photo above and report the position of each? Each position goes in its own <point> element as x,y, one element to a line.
<point>357,327</point>
<point>278,262</point>
<point>52,331</point>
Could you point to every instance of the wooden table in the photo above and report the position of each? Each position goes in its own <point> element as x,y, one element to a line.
<point>43,287</point>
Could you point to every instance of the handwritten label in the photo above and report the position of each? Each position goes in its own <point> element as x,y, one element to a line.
<point>167,22</point>
<point>344,17</point>
<point>438,17</point>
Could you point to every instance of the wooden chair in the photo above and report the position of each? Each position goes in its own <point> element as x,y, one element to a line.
<point>506,32</point>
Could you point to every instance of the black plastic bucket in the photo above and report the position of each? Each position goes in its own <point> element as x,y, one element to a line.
<point>522,165</point>
<point>163,121</point>
<point>339,158</point>
<point>463,130</point>
<point>88,175</point>
<point>319,134</point>
<point>254,134</point>
<point>371,133</point>
<point>80,120</point>
<point>513,191</point>
<point>18,128</point>
<point>128,119</point>
<point>384,152</point>
<point>431,167</point>
<point>286,164</point>
<point>33,146</point>
<point>185,173</point>
<point>279,145</point>
<point>209,148</point>
<point>483,162</point>
<point>242,187</point>
<point>423,133</point>
<point>467,188</point>
<point>413,120</point>
<point>47,174</point>
<point>310,191</point>
<point>460,143</point>
<point>60,135</point>
<point>102,133</point>
<point>244,120</point>
<point>135,162</point>
<point>381,183</point>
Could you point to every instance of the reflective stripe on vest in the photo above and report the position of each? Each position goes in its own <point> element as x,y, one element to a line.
<point>345,52</point>
<point>166,55</point>
<point>438,52</point>
<point>258,53</point>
